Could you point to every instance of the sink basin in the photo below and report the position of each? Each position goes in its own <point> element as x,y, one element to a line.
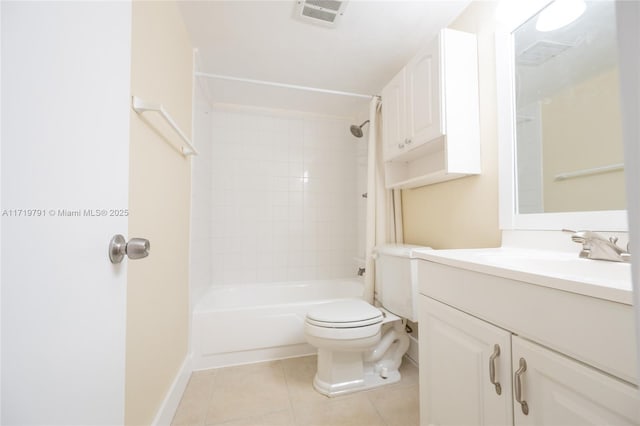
<point>561,270</point>
<point>563,265</point>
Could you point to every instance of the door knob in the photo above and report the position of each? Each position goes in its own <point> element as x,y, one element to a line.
<point>136,248</point>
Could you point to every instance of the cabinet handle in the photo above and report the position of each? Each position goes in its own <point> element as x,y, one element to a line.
<point>492,369</point>
<point>518,385</point>
<point>400,145</point>
<point>407,141</point>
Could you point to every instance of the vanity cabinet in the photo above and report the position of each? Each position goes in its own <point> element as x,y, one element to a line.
<point>460,364</point>
<point>558,390</point>
<point>431,114</point>
<point>465,367</point>
<point>563,359</point>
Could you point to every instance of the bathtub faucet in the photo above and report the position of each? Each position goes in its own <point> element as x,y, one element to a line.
<point>595,246</point>
<point>361,271</point>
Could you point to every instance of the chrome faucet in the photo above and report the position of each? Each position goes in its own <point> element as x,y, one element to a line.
<point>595,246</point>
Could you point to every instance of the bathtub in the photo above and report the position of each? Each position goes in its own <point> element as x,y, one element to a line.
<point>242,324</point>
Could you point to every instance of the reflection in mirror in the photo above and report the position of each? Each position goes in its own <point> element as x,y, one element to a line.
<point>568,127</point>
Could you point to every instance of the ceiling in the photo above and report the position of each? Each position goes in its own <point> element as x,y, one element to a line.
<point>264,40</point>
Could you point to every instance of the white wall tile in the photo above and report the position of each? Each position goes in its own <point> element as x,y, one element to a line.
<point>282,198</point>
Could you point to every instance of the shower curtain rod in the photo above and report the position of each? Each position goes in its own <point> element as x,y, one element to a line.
<point>287,86</point>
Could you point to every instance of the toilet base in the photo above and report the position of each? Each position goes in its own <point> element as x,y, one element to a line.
<point>369,380</point>
<point>345,371</point>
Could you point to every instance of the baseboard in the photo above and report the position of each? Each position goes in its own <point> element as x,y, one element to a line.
<point>209,361</point>
<point>168,408</point>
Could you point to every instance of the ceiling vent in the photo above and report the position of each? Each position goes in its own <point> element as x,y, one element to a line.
<point>540,52</point>
<point>322,12</point>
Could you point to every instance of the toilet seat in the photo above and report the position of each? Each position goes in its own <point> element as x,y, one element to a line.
<point>352,313</point>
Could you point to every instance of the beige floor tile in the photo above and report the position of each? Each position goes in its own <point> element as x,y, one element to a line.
<point>398,406</point>
<point>195,400</point>
<point>352,410</point>
<point>247,391</point>
<point>299,373</point>
<point>409,372</point>
<point>280,393</point>
<point>278,418</point>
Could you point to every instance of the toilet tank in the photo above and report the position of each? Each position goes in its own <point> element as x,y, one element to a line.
<point>396,281</point>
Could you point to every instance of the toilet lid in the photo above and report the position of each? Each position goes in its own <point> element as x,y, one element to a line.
<point>344,314</point>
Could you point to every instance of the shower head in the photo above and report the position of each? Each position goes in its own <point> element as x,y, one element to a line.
<point>357,130</point>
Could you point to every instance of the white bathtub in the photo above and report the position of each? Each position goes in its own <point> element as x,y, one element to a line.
<point>259,322</point>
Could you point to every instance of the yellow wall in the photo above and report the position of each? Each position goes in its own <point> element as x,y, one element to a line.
<point>581,129</point>
<point>463,213</point>
<point>159,205</point>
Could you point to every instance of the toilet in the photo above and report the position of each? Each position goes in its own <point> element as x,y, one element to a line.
<point>361,346</point>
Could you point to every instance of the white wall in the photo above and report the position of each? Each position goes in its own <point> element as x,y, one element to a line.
<point>284,197</point>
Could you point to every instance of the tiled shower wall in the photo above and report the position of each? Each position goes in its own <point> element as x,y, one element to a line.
<point>284,200</point>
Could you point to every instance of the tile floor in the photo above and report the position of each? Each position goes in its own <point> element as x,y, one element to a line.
<point>280,393</point>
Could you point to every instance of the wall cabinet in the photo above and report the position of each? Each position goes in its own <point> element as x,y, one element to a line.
<point>431,114</point>
<point>394,116</point>
<point>460,364</point>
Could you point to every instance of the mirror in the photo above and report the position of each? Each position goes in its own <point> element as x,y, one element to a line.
<point>565,158</point>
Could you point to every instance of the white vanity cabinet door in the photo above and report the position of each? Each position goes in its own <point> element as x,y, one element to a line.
<point>455,354</point>
<point>561,391</point>
<point>394,116</point>
<point>424,114</point>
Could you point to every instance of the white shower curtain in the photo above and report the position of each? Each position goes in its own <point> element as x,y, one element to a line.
<point>384,207</point>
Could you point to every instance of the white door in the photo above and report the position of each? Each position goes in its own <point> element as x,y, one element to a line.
<point>460,357</point>
<point>628,33</point>
<point>560,391</point>
<point>65,165</point>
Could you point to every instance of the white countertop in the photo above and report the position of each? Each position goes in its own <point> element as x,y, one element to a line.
<point>558,270</point>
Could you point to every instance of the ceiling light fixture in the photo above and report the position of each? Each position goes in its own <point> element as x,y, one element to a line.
<point>560,13</point>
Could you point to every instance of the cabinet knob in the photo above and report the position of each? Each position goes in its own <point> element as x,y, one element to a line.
<point>407,141</point>
<point>518,385</point>
<point>400,145</point>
